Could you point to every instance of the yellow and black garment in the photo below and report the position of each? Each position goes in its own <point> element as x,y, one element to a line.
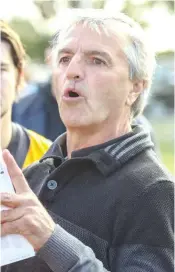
<point>27,146</point>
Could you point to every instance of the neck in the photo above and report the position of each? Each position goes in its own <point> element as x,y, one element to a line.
<point>6,130</point>
<point>83,138</point>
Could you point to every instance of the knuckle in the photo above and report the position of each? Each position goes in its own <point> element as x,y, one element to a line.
<point>30,221</point>
<point>30,198</point>
<point>10,228</point>
<point>27,220</point>
<point>30,210</point>
<point>7,196</point>
<point>33,200</point>
<point>24,201</point>
<point>5,214</point>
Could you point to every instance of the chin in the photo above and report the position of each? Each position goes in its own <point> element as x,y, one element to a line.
<point>75,122</point>
<point>72,118</point>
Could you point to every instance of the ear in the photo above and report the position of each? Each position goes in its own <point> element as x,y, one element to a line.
<point>20,82</point>
<point>47,54</point>
<point>137,88</point>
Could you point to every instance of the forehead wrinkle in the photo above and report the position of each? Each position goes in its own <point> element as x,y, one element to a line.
<point>88,53</point>
<point>72,44</point>
<point>64,46</point>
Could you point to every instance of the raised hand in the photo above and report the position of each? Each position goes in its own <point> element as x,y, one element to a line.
<point>27,215</point>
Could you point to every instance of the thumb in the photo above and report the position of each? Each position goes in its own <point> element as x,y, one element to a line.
<point>19,182</point>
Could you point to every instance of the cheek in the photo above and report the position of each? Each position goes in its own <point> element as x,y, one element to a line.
<point>102,87</point>
<point>58,82</point>
<point>8,86</point>
<point>110,90</point>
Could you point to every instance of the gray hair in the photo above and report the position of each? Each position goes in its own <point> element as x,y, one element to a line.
<point>139,53</point>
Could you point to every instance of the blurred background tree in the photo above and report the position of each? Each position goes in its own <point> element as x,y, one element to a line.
<point>46,8</point>
<point>37,41</point>
<point>34,42</point>
<point>137,12</point>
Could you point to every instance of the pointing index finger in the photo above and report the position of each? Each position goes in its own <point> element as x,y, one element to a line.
<point>19,182</point>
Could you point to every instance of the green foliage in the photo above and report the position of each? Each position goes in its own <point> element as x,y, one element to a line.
<point>169,5</point>
<point>73,3</point>
<point>164,136</point>
<point>34,42</point>
<point>46,8</point>
<point>98,4</point>
<point>136,11</point>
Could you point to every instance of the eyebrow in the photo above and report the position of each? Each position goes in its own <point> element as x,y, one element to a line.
<point>4,64</point>
<point>103,54</point>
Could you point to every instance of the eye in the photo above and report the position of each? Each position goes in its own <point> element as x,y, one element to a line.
<point>98,61</point>
<point>65,59</point>
<point>3,68</point>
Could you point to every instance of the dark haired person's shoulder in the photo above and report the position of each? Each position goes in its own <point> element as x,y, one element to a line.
<point>26,98</point>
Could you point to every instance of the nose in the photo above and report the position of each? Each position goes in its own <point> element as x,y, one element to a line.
<point>75,69</point>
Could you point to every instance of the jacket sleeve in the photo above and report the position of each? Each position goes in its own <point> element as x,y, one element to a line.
<point>65,253</point>
<point>148,243</point>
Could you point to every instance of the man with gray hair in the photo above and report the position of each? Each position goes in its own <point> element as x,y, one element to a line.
<point>99,199</point>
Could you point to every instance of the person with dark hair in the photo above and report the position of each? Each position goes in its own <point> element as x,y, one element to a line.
<point>25,145</point>
<point>102,201</point>
<point>43,117</point>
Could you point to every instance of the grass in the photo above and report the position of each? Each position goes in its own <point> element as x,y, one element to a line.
<point>165,138</point>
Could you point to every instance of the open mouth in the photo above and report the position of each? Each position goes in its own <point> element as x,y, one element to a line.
<point>73,94</point>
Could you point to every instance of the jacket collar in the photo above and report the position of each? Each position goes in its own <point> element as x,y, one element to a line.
<point>108,156</point>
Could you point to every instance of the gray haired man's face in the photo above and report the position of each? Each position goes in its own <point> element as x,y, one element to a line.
<point>91,79</point>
